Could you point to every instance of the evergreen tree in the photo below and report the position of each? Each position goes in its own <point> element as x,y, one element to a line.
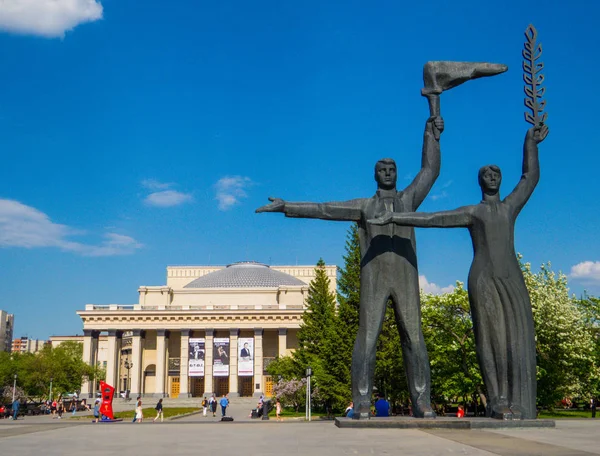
<point>316,337</point>
<point>346,325</point>
<point>317,321</point>
<point>390,377</point>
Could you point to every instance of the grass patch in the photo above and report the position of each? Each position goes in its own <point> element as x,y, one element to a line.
<point>291,413</point>
<point>551,414</point>
<point>150,412</point>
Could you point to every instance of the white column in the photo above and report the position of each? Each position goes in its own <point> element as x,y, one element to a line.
<point>184,364</point>
<point>208,362</point>
<point>136,359</point>
<point>233,362</point>
<point>88,357</point>
<point>282,342</point>
<point>258,362</point>
<point>95,362</point>
<point>161,362</point>
<point>112,363</point>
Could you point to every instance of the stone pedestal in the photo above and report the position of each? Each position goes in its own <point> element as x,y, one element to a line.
<point>407,422</point>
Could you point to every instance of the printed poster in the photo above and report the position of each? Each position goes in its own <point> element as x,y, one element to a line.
<point>246,356</point>
<point>221,357</point>
<point>197,349</point>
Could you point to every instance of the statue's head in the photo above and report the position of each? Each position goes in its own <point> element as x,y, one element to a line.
<point>385,174</point>
<point>490,178</point>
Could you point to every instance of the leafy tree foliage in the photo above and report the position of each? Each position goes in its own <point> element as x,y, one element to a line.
<point>448,332</point>
<point>566,362</point>
<point>64,364</point>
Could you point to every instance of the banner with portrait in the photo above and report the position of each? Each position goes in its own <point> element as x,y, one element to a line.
<point>197,348</point>
<point>245,356</point>
<point>221,357</point>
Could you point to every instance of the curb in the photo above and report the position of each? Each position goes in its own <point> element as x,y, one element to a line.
<point>176,417</point>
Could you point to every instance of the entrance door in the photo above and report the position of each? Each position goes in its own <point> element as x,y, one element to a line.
<point>245,386</point>
<point>221,386</point>
<point>174,387</point>
<point>198,386</point>
<point>268,385</point>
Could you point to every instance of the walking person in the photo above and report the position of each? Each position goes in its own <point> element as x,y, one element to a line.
<point>159,411</point>
<point>60,408</point>
<point>204,406</point>
<point>139,414</point>
<point>213,404</point>
<point>278,410</point>
<point>16,405</point>
<point>97,410</point>
<point>138,403</point>
<point>224,402</point>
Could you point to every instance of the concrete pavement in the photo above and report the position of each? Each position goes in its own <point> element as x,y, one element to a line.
<point>197,434</point>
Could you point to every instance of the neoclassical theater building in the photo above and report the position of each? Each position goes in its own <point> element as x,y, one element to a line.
<point>210,329</point>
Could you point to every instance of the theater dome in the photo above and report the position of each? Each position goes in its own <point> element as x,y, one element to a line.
<point>245,274</point>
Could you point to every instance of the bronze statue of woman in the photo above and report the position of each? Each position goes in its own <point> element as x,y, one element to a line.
<point>500,305</point>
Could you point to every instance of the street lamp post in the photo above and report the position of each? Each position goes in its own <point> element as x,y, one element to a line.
<point>14,387</point>
<point>128,365</point>
<point>50,394</point>
<point>308,375</point>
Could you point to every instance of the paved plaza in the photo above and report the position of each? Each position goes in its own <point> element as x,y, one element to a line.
<point>196,434</point>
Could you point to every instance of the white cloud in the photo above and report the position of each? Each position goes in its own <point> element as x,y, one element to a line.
<point>162,195</point>
<point>47,18</point>
<point>167,198</point>
<point>437,196</point>
<point>25,226</point>
<point>230,190</point>
<point>153,184</point>
<point>432,288</point>
<point>586,271</point>
<point>443,193</point>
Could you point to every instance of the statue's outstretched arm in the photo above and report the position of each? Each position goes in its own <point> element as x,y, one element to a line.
<point>336,210</point>
<point>457,218</point>
<point>430,163</point>
<point>531,168</point>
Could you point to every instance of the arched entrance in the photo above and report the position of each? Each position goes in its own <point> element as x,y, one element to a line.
<point>149,380</point>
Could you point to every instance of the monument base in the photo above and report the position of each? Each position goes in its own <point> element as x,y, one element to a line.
<point>407,422</point>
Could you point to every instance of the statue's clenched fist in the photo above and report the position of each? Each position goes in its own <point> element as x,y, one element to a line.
<point>435,124</point>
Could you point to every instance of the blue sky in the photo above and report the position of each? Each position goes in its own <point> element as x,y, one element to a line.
<point>136,135</point>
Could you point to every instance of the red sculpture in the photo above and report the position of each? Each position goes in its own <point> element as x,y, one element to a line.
<point>107,398</point>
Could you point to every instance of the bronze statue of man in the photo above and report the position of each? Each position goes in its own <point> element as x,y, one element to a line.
<point>388,271</point>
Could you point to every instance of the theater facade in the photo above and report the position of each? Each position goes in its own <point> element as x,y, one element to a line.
<point>210,329</point>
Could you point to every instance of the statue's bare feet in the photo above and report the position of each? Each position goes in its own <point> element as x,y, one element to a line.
<point>362,410</point>
<point>517,412</point>
<point>424,411</point>
<point>501,410</point>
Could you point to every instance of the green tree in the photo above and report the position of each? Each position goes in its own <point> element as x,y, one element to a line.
<point>448,332</point>
<point>346,320</point>
<point>316,336</point>
<point>285,367</point>
<point>64,364</point>
<point>390,377</point>
<point>589,307</point>
<point>317,320</point>
<point>566,365</point>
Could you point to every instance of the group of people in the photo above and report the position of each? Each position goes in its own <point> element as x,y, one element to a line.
<point>211,405</point>
<point>381,407</point>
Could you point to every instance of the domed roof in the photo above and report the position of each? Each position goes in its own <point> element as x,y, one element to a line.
<point>246,274</point>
